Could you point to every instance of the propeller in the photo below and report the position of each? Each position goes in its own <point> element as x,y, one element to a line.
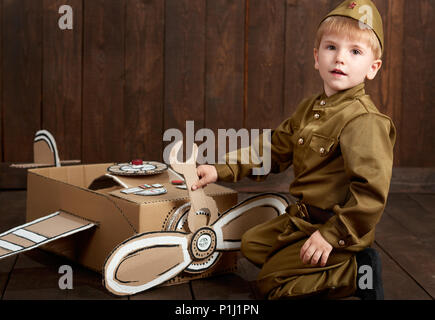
<point>149,259</point>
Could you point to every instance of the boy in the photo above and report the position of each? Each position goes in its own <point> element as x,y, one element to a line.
<point>341,148</point>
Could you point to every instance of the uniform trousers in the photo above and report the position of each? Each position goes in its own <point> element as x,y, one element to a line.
<point>274,246</point>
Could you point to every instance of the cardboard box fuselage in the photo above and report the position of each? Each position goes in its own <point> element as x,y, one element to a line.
<point>119,216</point>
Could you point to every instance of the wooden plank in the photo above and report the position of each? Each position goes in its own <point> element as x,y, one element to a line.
<point>414,218</point>
<point>6,267</point>
<point>418,148</point>
<point>173,292</point>
<point>1,84</point>
<point>12,178</point>
<point>265,38</point>
<point>12,213</point>
<point>386,89</point>
<point>21,66</point>
<point>239,285</point>
<point>12,209</point>
<point>398,285</point>
<point>427,201</point>
<point>62,78</point>
<point>103,82</point>
<point>223,287</point>
<point>301,79</point>
<point>413,180</point>
<point>144,79</point>
<point>245,269</point>
<point>87,284</point>
<point>184,63</point>
<point>224,65</point>
<point>408,251</point>
<point>35,277</point>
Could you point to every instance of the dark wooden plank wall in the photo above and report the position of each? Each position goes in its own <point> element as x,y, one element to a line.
<point>130,69</point>
<point>62,78</point>
<point>1,82</point>
<point>21,76</point>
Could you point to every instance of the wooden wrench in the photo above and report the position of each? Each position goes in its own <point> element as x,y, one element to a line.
<point>203,209</point>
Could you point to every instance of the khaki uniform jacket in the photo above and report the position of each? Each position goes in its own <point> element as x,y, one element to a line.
<point>341,149</point>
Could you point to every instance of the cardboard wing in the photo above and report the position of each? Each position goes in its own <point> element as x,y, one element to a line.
<point>41,231</point>
<point>151,258</point>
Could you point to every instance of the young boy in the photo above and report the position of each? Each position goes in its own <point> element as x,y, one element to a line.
<point>341,148</point>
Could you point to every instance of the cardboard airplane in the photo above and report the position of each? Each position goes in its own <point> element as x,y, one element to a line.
<point>136,241</point>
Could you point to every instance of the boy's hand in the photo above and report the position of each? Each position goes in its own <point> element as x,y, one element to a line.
<point>315,249</point>
<point>207,174</point>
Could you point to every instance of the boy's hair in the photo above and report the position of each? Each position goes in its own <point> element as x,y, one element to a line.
<point>351,29</point>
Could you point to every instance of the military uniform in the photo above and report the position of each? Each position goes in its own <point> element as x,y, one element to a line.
<point>341,149</point>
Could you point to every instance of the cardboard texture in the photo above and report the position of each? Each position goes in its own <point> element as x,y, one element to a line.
<point>86,191</point>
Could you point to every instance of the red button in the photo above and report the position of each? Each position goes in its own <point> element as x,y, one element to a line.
<point>137,162</point>
<point>177,182</point>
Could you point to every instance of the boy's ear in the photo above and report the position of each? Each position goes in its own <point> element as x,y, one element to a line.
<point>316,59</point>
<point>374,68</point>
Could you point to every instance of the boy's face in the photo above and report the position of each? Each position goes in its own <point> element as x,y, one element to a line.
<point>344,63</point>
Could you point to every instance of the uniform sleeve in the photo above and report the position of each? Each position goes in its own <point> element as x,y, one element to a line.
<point>280,149</point>
<point>367,147</point>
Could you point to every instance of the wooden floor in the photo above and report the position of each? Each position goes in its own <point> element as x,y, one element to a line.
<point>405,239</point>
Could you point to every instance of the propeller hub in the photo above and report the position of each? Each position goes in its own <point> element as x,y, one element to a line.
<point>203,243</point>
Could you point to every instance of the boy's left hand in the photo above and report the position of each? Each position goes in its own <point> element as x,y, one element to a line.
<point>316,249</point>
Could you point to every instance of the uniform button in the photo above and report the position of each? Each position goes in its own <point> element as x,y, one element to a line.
<point>322,103</point>
<point>316,116</point>
<point>301,141</point>
<point>322,150</point>
<point>341,243</point>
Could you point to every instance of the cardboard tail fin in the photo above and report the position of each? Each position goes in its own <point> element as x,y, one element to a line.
<point>41,231</point>
<point>45,149</point>
<point>45,153</point>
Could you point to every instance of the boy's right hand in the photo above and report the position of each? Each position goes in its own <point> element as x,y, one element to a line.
<point>207,174</point>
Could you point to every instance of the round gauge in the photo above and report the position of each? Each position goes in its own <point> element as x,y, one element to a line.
<point>144,169</point>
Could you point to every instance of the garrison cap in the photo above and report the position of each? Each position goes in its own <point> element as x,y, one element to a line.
<point>364,11</point>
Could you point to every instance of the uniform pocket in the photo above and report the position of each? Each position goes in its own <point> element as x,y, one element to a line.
<point>321,144</point>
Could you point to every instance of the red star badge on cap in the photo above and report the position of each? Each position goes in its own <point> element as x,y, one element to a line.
<point>352,5</point>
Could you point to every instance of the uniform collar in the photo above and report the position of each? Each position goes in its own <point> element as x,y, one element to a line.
<point>349,94</point>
